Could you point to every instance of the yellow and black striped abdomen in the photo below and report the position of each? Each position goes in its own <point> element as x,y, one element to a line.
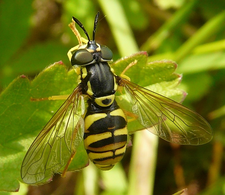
<point>105,137</point>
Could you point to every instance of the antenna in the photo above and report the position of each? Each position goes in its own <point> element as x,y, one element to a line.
<point>95,25</point>
<point>81,25</point>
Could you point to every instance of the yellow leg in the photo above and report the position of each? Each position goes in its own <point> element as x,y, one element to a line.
<point>129,66</point>
<point>76,32</point>
<point>120,88</point>
<point>74,139</point>
<point>80,39</point>
<point>132,116</point>
<point>67,165</point>
<point>58,97</point>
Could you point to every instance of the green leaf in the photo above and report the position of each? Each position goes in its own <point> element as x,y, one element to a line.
<point>150,73</point>
<point>202,62</point>
<point>21,120</point>
<point>157,76</point>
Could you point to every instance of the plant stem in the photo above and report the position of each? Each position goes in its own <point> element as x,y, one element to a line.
<point>127,45</point>
<point>212,27</point>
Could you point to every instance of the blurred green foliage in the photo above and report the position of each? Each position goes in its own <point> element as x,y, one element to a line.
<point>34,34</point>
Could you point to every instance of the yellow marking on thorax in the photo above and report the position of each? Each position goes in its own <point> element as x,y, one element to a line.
<point>89,91</point>
<point>84,72</point>
<point>112,70</point>
<point>115,84</point>
<point>77,70</point>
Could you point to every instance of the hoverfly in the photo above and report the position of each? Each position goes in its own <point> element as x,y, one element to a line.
<point>91,113</point>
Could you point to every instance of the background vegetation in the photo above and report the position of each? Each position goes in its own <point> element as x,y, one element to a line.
<point>34,34</point>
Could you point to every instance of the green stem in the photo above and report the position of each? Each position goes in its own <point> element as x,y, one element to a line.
<point>210,47</point>
<point>127,45</point>
<point>212,27</point>
<point>143,164</point>
<point>163,33</point>
<point>119,26</point>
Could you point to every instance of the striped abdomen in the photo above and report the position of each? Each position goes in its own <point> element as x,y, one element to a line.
<point>105,136</point>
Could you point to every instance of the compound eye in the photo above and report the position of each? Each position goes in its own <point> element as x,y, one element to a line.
<point>106,53</point>
<point>81,57</point>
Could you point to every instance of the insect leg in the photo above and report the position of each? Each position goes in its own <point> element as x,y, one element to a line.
<point>132,116</point>
<point>79,38</point>
<point>58,97</point>
<point>75,136</point>
<point>129,66</point>
<point>75,31</point>
<point>67,164</point>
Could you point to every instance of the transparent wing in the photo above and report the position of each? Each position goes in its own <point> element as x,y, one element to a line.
<point>166,118</point>
<point>57,142</point>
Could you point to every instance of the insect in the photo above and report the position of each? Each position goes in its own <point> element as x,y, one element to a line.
<point>91,114</point>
